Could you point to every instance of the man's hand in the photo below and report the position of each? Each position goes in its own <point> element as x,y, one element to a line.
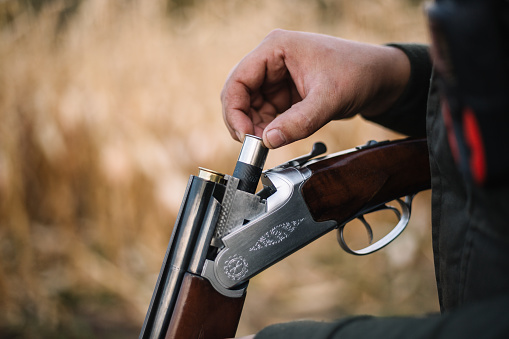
<point>293,83</point>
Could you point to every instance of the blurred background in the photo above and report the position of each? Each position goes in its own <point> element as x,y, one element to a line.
<point>107,107</point>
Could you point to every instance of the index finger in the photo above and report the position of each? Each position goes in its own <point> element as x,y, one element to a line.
<point>236,103</point>
<point>241,88</point>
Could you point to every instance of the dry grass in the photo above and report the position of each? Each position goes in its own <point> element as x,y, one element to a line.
<point>103,121</point>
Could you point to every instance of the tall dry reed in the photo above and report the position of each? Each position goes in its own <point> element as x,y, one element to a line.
<point>102,120</point>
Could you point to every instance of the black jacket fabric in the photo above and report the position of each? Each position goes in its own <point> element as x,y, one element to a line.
<point>470,236</point>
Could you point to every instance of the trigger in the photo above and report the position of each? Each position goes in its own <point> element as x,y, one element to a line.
<point>368,228</point>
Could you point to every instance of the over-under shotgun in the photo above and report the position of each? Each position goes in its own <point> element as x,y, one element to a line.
<point>225,234</point>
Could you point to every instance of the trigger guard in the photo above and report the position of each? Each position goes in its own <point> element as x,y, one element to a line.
<point>387,239</point>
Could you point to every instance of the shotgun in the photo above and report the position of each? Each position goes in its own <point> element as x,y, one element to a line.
<point>226,234</point>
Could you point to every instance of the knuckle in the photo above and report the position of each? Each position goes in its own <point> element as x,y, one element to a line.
<point>276,34</point>
<point>306,124</point>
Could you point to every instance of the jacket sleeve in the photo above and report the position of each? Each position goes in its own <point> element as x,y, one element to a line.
<point>408,114</point>
<point>487,319</point>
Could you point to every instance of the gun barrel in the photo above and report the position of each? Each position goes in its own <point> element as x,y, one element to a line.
<point>193,213</point>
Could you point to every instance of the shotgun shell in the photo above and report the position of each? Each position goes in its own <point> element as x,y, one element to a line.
<point>211,175</point>
<point>250,163</point>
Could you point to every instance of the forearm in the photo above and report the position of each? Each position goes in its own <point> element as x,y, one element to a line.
<point>408,114</point>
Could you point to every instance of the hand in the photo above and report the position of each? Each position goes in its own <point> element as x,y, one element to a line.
<point>293,83</point>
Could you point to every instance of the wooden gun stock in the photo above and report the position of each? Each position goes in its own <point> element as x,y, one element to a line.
<point>341,186</point>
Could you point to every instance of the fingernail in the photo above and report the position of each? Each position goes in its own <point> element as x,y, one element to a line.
<point>275,138</point>
<point>239,136</point>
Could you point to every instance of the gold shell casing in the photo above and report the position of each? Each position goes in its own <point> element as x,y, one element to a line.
<point>211,175</point>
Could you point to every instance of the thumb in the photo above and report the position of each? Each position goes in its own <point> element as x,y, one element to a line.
<point>298,122</point>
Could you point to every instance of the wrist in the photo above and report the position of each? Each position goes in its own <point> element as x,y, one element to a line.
<point>393,72</point>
